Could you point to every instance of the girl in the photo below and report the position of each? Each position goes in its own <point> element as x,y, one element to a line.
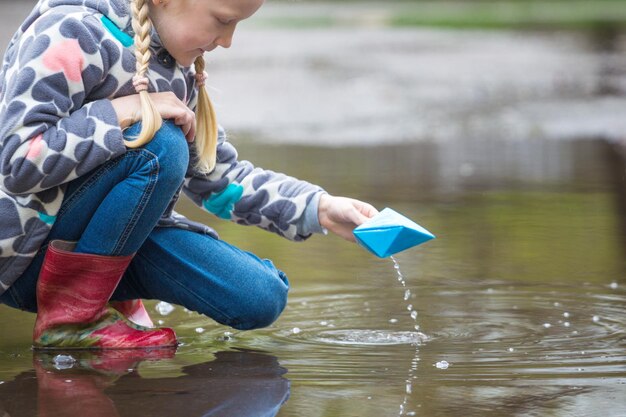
<point>98,137</point>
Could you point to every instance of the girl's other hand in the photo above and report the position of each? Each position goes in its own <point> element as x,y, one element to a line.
<point>341,215</point>
<point>128,110</point>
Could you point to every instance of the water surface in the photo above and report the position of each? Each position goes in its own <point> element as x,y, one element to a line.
<point>522,294</point>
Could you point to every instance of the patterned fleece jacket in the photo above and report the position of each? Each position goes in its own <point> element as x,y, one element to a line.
<point>60,71</point>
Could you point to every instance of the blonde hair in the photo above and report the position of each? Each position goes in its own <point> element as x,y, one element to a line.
<point>206,126</point>
<point>151,121</point>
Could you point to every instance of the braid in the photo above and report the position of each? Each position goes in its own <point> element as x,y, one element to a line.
<point>206,125</point>
<point>142,26</point>
<point>150,118</point>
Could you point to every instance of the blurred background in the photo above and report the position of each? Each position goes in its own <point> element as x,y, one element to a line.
<point>499,126</point>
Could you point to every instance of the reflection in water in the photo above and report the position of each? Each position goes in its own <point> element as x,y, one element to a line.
<point>108,383</point>
<point>616,158</point>
<point>429,171</point>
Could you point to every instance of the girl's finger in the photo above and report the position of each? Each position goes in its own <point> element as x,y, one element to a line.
<point>191,136</point>
<point>361,219</point>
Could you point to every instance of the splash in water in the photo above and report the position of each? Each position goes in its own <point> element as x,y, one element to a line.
<point>407,292</point>
<point>413,314</point>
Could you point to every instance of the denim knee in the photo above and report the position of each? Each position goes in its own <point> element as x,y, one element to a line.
<point>266,303</point>
<point>172,152</point>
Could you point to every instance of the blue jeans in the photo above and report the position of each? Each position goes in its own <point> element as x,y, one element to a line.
<point>113,210</point>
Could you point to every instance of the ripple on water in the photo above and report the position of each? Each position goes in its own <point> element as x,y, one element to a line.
<point>486,334</point>
<point>369,337</point>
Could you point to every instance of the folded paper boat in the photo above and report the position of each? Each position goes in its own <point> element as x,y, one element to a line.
<point>390,232</point>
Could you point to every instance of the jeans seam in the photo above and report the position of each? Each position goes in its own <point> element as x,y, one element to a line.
<point>147,191</point>
<point>145,197</point>
<point>93,178</point>
<point>97,175</point>
<point>186,289</point>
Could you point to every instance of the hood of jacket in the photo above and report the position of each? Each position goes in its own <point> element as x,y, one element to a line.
<point>118,11</point>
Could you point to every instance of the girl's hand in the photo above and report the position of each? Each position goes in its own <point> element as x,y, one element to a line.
<point>128,110</point>
<point>341,215</point>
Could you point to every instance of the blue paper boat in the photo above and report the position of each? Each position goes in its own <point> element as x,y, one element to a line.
<point>390,232</point>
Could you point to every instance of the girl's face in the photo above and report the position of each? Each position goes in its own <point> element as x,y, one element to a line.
<point>189,28</point>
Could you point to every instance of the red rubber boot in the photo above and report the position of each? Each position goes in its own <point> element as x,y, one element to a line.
<point>72,295</point>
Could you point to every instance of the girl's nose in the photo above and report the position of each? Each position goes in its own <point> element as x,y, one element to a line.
<point>226,37</point>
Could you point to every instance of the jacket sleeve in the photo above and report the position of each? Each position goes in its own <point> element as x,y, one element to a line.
<point>49,134</point>
<point>238,191</point>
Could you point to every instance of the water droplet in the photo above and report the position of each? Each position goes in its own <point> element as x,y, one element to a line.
<point>416,327</point>
<point>393,321</point>
<point>295,330</point>
<point>161,322</point>
<point>442,365</point>
<point>407,295</point>
<point>557,304</point>
<point>1,382</point>
<point>582,352</point>
<point>409,307</point>
<point>511,350</point>
<point>566,314</point>
<point>228,334</point>
<point>68,380</point>
<point>409,388</point>
<point>595,319</point>
<point>199,330</point>
<point>547,325</point>
<point>164,308</point>
<point>410,413</point>
<point>414,314</point>
<point>566,324</point>
<point>613,285</point>
<point>323,323</point>
<point>63,362</point>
